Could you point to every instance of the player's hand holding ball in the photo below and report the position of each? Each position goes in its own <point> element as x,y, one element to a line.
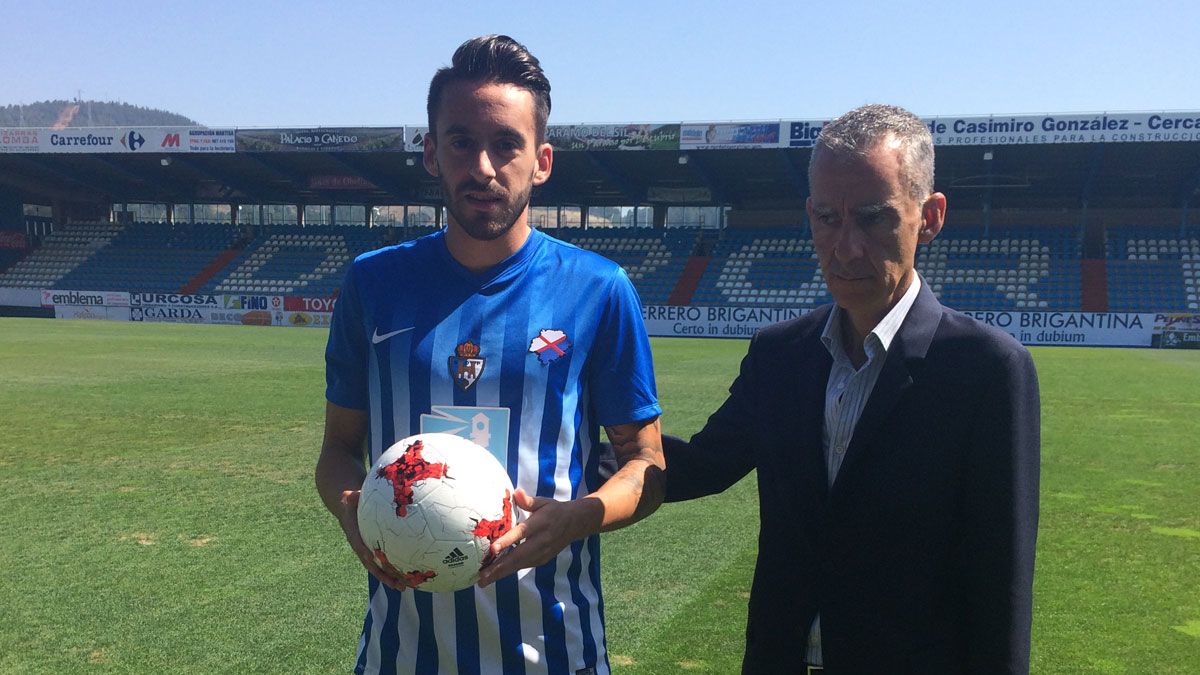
<point>429,511</point>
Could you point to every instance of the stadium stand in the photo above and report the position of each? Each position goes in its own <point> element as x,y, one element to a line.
<point>61,253</point>
<point>653,261</point>
<point>1191,273</point>
<point>1152,269</point>
<point>304,261</point>
<point>1020,268</point>
<point>151,257</point>
<point>1092,223</point>
<point>8,257</point>
<point>1146,269</point>
<point>775,266</point>
<point>312,260</point>
<point>1024,268</point>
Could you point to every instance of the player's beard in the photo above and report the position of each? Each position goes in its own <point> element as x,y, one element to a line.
<point>485,226</point>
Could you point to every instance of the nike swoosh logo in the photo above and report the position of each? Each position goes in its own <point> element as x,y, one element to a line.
<point>377,338</point>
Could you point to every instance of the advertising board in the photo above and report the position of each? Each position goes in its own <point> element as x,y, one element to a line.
<point>360,139</point>
<point>614,136</point>
<point>124,140</point>
<point>738,135</point>
<point>1094,329</point>
<point>307,319</point>
<point>55,298</point>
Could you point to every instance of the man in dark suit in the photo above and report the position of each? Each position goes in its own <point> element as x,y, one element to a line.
<point>896,442</point>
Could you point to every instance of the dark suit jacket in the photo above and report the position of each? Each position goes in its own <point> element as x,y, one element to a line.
<point>920,556</point>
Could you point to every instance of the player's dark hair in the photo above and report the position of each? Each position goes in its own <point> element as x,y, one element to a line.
<point>499,59</point>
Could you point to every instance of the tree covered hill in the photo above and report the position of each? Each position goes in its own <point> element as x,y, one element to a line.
<point>87,114</point>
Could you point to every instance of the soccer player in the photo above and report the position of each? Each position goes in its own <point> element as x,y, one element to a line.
<point>518,341</point>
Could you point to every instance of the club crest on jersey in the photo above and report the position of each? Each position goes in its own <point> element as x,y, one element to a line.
<point>550,345</point>
<point>466,366</point>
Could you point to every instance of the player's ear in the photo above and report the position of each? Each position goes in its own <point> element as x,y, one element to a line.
<point>429,158</point>
<point>933,216</point>
<point>545,161</point>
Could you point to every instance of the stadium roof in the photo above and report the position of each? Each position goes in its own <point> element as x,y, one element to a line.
<point>1005,161</point>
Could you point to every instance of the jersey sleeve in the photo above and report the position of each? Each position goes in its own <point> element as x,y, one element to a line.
<point>346,351</point>
<point>622,372</point>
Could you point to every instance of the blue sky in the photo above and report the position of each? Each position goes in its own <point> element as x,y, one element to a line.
<point>368,63</point>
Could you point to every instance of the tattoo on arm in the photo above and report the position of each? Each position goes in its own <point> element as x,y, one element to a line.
<point>638,448</point>
<point>635,483</point>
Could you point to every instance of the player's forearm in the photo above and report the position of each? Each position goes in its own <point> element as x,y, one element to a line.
<point>636,489</point>
<point>336,472</point>
<point>340,465</point>
<point>632,493</point>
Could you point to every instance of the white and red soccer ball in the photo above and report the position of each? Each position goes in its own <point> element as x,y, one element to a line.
<point>431,508</point>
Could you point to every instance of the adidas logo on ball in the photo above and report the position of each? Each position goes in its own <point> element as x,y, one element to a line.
<point>455,558</point>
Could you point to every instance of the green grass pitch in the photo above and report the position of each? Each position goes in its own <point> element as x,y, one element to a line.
<point>157,511</point>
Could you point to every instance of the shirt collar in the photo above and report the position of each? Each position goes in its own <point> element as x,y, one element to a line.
<point>501,270</point>
<point>883,332</point>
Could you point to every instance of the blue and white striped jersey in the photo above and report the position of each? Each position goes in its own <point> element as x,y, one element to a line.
<point>528,359</point>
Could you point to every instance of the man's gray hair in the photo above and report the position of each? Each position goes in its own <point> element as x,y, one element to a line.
<point>860,130</point>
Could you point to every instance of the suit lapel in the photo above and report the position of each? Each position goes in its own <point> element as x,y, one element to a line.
<point>893,381</point>
<point>812,378</point>
<point>804,370</point>
<point>902,365</point>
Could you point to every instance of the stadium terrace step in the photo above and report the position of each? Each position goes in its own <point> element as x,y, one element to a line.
<point>1094,291</point>
<point>197,282</point>
<point>689,281</point>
